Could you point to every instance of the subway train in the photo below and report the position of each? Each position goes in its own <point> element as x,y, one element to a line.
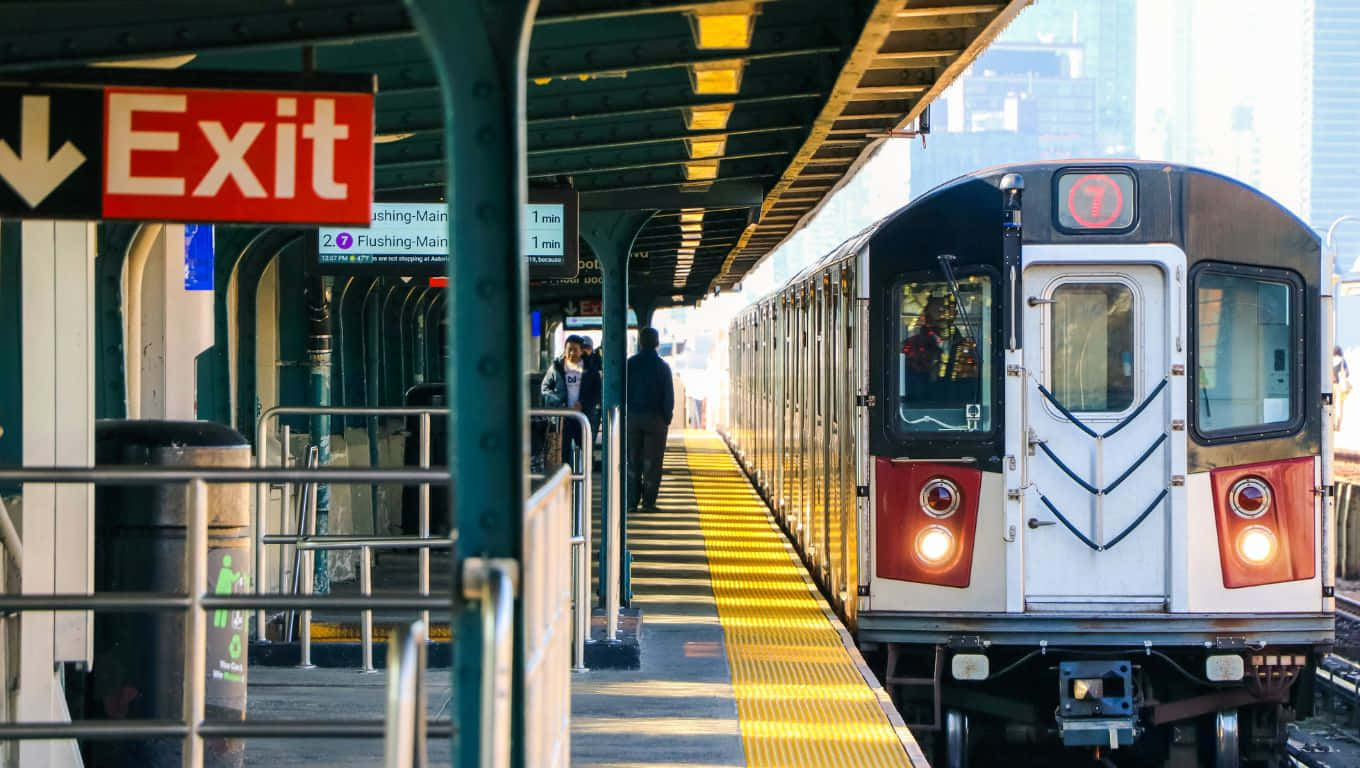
<point>1050,438</point>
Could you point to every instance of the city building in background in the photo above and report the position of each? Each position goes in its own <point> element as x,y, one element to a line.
<point>1061,82</point>
<point>1333,190</point>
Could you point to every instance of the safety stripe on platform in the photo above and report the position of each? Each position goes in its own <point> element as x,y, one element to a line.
<point>330,632</point>
<point>802,695</point>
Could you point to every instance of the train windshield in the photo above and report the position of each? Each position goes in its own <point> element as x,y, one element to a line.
<point>944,361</point>
<point>1245,331</point>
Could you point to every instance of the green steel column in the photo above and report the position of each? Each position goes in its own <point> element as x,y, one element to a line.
<point>11,347</point>
<point>479,48</point>
<point>611,235</point>
<point>319,391</point>
<point>645,306</point>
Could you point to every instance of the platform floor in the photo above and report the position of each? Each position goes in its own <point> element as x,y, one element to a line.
<point>743,662</point>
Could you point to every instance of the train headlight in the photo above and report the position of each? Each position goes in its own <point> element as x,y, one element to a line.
<point>934,544</point>
<point>1256,545</point>
<point>1249,497</point>
<point>939,497</point>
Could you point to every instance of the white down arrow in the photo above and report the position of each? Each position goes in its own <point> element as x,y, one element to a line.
<point>33,173</point>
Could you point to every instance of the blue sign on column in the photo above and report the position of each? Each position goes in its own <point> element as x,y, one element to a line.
<point>198,257</point>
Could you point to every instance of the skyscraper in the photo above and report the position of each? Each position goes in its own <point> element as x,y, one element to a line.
<point>1059,83</point>
<point>1334,190</point>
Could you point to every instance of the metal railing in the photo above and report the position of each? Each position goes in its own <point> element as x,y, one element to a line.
<point>262,489</point>
<point>580,534</point>
<point>615,511</point>
<point>405,727</point>
<point>192,727</point>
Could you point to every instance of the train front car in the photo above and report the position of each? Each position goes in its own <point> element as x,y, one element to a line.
<point>1092,519</point>
<point>1097,506</point>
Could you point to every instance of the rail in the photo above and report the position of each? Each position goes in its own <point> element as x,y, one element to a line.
<point>615,510</point>
<point>493,581</point>
<point>262,489</point>
<point>580,535</point>
<point>192,727</point>
<point>404,732</point>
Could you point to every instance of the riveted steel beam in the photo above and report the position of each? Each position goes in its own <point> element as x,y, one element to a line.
<point>663,139</point>
<point>478,48</point>
<point>583,171</point>
<point>673,106</point>
<point>624,68</point>
<point>550,19</point>
<point>36,33</point>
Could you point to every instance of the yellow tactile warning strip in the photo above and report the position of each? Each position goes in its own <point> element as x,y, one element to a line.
<point>328,632</point>
<point>802,697</point>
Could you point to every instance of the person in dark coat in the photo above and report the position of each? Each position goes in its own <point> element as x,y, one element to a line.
<point>570,383</point>
<point>651,403</point>
<point>591,358</point>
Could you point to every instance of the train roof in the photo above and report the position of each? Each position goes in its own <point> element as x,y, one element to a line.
<point>1044,171</point>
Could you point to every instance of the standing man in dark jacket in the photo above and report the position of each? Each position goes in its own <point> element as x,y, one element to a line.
<point>570,383</point>
<point>651,402</point>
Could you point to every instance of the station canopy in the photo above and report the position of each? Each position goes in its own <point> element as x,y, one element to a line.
<point>734,120</point>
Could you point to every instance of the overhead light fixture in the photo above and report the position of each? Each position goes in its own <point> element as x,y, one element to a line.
<point>158,62</point>
<point>717,77</point>
<point>703,170</point>
<point>388,138</point>
<point>689,243</point>
<point>723,25</point>
<point>709,117</point>
<point>692,216</point>
<point>696,186</point>
<point>706,147</point>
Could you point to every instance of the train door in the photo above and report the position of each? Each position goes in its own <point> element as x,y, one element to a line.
<point>1098,351</point>
<point>817,509</point>
<point>799,387</point>
<point>835,511</point>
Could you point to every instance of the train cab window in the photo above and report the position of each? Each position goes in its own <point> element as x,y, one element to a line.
<point>1245,367</point>
<point>944,364</point>
<point>1092,365</point>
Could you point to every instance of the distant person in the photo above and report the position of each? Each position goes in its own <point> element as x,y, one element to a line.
<point>569,383</point>
<point>591,359</point>
<point>1341,386</point>
<point>651,404</point>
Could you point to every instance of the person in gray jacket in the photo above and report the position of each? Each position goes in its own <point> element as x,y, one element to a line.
<point>651,403</point>
<point>571,383</point>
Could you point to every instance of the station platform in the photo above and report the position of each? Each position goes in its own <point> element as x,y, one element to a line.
<point>743,661</point>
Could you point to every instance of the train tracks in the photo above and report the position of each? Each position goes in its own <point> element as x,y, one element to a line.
<point>1338,682</point>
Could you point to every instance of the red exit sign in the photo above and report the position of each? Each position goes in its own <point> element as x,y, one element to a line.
<point>196,154</point>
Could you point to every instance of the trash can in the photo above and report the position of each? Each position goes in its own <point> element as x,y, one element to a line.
<point>426,394</point>
<point>138,669</point>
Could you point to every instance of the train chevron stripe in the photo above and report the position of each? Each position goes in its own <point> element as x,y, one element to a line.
<point>801,695</point>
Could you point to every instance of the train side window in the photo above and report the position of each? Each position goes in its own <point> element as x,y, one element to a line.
<point>1246,371</point>
<point>1092,345</point>
<point>944,360</point>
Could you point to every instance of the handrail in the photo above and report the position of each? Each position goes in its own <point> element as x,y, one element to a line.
<point>494,582</point>
<point>404,727</point>
<point>581,530</point>
<point>262,460</point>
<point>14,546</point>
<point>615,502</point>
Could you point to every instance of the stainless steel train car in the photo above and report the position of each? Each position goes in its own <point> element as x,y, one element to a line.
<point>1051,438</point>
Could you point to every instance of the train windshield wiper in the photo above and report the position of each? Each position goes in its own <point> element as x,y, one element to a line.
<point>947,266</point>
